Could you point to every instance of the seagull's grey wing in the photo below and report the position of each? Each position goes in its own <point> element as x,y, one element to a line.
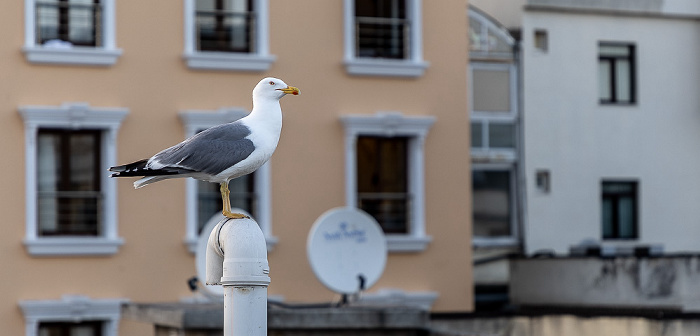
<point>210,151</point>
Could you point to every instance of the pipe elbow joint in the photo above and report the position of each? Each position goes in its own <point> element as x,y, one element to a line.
<point>237,254</point>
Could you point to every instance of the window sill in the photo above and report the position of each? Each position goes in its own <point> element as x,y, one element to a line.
<point>228,61</point>
<point>72,56</point>
<point>385,67</point>
<point>73,246</point>
<point>407,244</point>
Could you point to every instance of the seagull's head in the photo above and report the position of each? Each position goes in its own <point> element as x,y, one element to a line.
<point>273,88</point>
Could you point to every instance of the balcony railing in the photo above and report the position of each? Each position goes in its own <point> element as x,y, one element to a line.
<point>391,210</point>
<point>70,213</point>
<point>378,37</point>
<point>225,31</point>
<point>78,24</point>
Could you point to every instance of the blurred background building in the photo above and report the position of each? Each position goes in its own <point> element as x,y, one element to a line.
<point>381,124</point>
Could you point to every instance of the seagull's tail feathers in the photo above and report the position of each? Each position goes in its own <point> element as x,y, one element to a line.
<point>142,182</point>
<point>139,169</point>
<point>132,169</point>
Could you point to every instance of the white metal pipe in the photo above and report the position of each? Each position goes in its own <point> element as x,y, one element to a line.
<point>237,259</point>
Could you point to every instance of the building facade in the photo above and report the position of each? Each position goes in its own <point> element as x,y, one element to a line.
<point>380,125</point>
<point>610,125</point>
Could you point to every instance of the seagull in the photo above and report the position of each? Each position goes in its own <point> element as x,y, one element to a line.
<point>221,153</point>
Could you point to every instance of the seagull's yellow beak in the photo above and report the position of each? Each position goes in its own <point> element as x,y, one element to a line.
<point>290,89</point>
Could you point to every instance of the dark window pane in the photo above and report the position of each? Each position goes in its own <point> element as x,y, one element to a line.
<point>501,135</point>
<point>491,203</point>
<point>381,28</point>
<point>619,210</point>
<point>225,25</point>
<point>382,181</point>
<point>68,182</point>
<point>477,135</point>
<point>616,78</point>
<point>85,328</point>
<point>209,201</point>
<point>78,22</point>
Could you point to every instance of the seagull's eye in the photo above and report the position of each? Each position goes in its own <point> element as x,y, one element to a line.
<point>272,83</point>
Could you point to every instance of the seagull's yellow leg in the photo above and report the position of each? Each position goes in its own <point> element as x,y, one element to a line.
<point>227,203</point>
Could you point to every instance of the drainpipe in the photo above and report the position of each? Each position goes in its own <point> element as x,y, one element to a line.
<point>237,259</point>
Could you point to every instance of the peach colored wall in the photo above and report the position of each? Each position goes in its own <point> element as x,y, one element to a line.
<point>151,79</point>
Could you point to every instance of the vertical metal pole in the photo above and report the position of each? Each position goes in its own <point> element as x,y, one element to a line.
<point>245,310</point>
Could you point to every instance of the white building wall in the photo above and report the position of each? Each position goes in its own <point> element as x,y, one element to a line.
<point>655,141</point>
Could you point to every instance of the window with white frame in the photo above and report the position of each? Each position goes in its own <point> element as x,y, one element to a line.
<point>384,174</point>
<point>72,315</point>
<point>80,32</point>
<point>250,193</point>
<point>384,38</point>
<point>70,203</point>
<point>227,35</point>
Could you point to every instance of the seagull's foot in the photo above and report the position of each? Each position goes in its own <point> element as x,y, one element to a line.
<point>234,215</point>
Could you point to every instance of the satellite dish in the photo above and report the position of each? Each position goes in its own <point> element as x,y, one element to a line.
<point>215,292</point>
<point>347,250</point>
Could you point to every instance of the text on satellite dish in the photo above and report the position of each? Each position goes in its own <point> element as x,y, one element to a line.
<point>345,233</point>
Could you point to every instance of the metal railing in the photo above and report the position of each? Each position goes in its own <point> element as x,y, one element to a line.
<point>73,213</point>
<point>225,31</point>
<point>76,23</point>
<point>391,210</point>
<point>378,37</point>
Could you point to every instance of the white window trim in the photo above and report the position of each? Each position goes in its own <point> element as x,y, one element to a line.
<point>260,60</point>
<point>72,308</point>
<point>413,66</point>
<point>104,55</point>
<point>390,124</point>
<point>503,241</point>
<point>72,116</point>
<point>197,120</point>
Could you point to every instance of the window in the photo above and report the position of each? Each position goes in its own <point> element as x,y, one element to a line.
<point>250,193</point>
<point>384,174</point>
<point>209,202</point>
<point>88,328</point>
<point>68,175</point>
<point>543,182</point>
<point>382,181</point>
<point>541,40</point>
<point>616,73</point>
<point>384,38</point>
<point>70,202</point>
<point>493,202</point>
<point>72,315</point>
<point>70,32</point>
<point>227,35</point>
<point>225,25</point>
<point>494,110</point>
<point>619,214</point>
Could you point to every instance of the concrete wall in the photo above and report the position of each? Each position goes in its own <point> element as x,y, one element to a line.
<point>562,324</point>
<point>633,283</point>
<point>152,80</point>
<point>582,142</point>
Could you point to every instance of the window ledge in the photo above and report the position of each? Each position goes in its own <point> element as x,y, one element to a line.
<point>228,61</point>
<point>73,246</point>
<point>385,67</point>
<point>407,244</point>
<point>73,56</point>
